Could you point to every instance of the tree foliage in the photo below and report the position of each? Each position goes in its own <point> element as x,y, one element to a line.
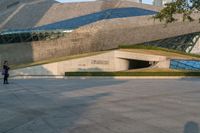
<point>183,7</point>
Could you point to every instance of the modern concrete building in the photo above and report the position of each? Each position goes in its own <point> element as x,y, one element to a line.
<point>32,31</point>
<point>161,2</point>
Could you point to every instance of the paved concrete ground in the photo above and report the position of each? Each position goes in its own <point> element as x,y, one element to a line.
<point>100,106</point>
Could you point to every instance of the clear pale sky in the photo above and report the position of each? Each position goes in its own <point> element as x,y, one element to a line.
<point>144,1</point>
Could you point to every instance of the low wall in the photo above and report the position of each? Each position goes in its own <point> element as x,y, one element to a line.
<point>102,62</point>
<point>105,62</point>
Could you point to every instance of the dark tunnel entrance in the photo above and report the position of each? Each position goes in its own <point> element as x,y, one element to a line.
<point>138,64</point>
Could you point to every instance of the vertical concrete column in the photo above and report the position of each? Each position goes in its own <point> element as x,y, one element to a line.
<point>120,63</point>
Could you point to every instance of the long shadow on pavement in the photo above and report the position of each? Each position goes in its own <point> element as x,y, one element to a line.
<point>26,107</point>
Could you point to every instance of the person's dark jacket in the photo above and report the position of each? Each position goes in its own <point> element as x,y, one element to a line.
<point>6,68</point>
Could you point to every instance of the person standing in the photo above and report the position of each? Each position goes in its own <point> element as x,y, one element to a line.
<point>5,72</point>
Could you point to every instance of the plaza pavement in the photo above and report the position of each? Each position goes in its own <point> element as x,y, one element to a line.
<point>100,106</point>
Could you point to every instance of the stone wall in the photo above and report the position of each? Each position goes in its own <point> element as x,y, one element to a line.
<point>104,35</point>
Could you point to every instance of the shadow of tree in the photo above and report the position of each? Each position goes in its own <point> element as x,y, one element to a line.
<point>191,127</point>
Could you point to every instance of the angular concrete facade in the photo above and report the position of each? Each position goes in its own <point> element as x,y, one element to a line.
<point>102,34</point>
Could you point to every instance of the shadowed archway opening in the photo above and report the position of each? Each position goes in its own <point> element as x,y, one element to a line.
<point>138,64</point>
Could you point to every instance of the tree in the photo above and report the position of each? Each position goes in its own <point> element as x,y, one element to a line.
<point>183,7</point>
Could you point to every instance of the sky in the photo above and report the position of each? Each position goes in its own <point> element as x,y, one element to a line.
<point>144,1</point>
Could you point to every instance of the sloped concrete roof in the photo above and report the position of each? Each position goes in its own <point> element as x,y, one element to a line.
<point>42,12</point>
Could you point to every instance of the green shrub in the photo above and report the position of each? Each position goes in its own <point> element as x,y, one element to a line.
<point>132,73</point>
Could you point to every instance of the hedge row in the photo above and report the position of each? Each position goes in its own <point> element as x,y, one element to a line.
<point>132,74</point>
